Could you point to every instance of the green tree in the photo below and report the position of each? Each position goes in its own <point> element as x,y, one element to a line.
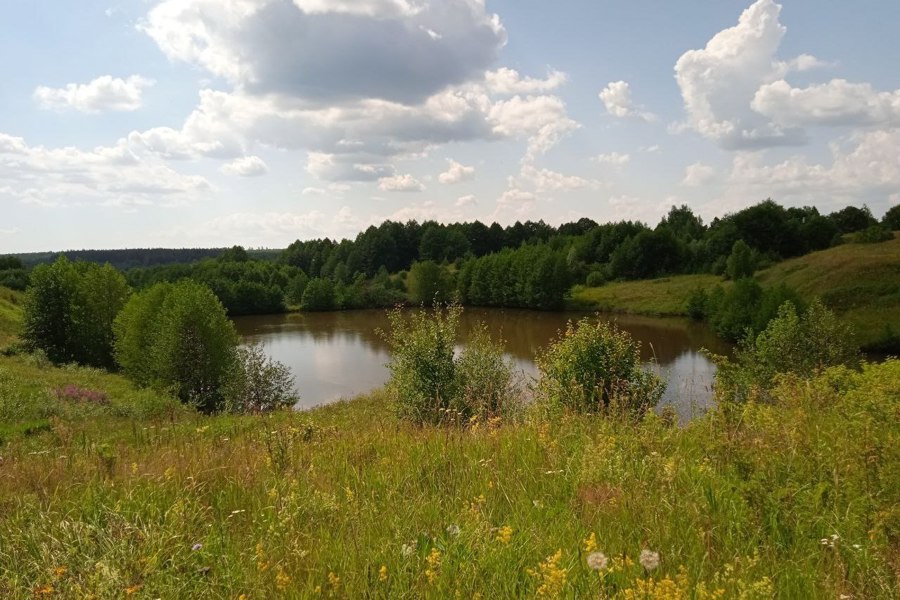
<point>70,309</point>
<point>187,342</point>
<point>891,218</point>
<point>318,295</point>
<point>741,262</point>
<point>427,283</point>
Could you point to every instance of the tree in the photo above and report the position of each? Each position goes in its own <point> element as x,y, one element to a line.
<point>427,283</point>
<point>178,337</point>
<point>258,383</point>
<point>741,262</point>
<point>852,219</point>
<point>318,295</point>
<point>69,311</point>
<point>891,218</point>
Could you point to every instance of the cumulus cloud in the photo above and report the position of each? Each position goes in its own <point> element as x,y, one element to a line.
<point>505,81</point>
<point>247,166</point>
<point>102,94</point>
<point>546,180</point>
<point>863,168</point>
<point>541,119</point>
<point>616,97</point>
<point>613,159</point>
<point>698,174</point>
<point>108,175</point>
<point>456,173</point>
<point>394,50</point>
<point>838,102</point>
<point>464,201</point>
<point>400,183</point>
<point>719,82</point>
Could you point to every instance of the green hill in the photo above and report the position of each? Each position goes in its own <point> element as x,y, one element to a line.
<point>10,314</point>
<point>861,282</point>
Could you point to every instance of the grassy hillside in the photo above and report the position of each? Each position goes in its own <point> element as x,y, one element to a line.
<point>861,282</point>
<point>10,315</point>
<point>797,499</point>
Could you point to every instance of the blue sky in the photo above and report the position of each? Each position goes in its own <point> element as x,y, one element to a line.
<point>215,122</point>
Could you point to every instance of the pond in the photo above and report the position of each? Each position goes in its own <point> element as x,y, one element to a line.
<point>338,355</point>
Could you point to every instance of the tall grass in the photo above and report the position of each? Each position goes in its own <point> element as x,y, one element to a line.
<point>797,498</point>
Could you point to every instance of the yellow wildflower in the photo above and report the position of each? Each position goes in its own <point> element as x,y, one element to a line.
<point>590,543</point>
<point>282,579</point>
<point>60,571</point>
<point>383,573</point>
<point>46,590</point>
<point>132,589</point>
<point>334,581</point>
<point>504,534</point>
<point>551,577</point>
<point>434,565</point>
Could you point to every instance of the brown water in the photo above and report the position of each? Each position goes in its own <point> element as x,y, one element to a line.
<point>339,354</point>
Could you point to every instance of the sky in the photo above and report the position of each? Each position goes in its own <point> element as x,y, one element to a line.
<point>208,123</point>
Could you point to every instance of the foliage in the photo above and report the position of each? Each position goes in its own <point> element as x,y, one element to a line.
<point>741,262</point>
<point>595,279</point>
<point>891,218</point>
<point>258,383</point>
<point>852,219</point>
<point>423,379</point>
<point>593,367</point>
<point>873,234</point>
<point>485,382</point>
<point>69,311</point>
<point>745,307</point>
<point>318,295</point>
<point>428,282</point>
<point>529,277</point>
<point>803,344</point>
<point>697,304</point>
<point>178,337</point>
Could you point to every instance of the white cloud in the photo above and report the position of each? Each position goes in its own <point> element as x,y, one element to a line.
<point>456,173</point>
<point>332,51</point>
<point>616,97</point>
<point>838,102</point>
<point>101,94</point>
<point>247,166</point>
<point>505,81</point>
<point>614,159</point>
<point>542,119</point>
<point>464,201</point>
<point>400,183</point>
<point>545,180</point>
<point>698,174</point>
<point>516,196</point>
<point>863,169</point>
<point>107,175</point>
<point>718,83</point>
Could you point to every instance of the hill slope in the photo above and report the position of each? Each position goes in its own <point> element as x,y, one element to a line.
<point>10,314</point>
<point>861,282</point>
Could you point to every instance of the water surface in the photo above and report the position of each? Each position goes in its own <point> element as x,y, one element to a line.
<point>340,354</point>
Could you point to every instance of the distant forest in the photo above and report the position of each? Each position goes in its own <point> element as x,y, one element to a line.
<point>528,264</point>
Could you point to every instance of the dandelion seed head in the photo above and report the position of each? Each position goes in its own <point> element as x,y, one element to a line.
<point>196,547</point>
<point>649,559</point>
<point>597,561</point>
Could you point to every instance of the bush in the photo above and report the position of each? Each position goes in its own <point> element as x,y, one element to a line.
<point>485,381</point>
<point>696,304</point>
<point>741,262</point>
<point>804,344</point>
<point>595,279</point>
<point>593,367</point>
<point>873,235</point>
<point>746,307</point>
<point>177,337</point>
<point>258,383</point>
<point>430,385</point>
<point>318,295</point>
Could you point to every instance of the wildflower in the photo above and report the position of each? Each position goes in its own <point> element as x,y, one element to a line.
<point>334,581</point>
<point>60,571</point>
<point>383,573</point>
<point>597,561</point>
<point>590,543</point>
<point>551,577</point>
<point>649,559</point>
<point>504,534</point>
<point>196,547</point>
<point>46,590</point>
<point>406,550</point>
<point>282,579</point>
<point>434,565</point>
<point>132,589</point>
<point>453,530</point>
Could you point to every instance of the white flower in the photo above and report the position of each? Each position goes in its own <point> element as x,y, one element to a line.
<point>453,530</point>
<point>406,550</point>
<point>649,559</point>
<point>597,561</point>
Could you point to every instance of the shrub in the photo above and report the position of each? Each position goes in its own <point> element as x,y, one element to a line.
<point>258,383</point>
<point>593,367</point>
<point>423,371</point>
<point>485,381</point>
<point>595,279</point>
<point>318,295</point>
<point>804,343</point>
<point>430,385</point>
<point>873,234</point>
<point>696,304</point>
<point>741,262</point>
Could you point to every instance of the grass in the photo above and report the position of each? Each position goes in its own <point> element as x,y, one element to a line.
<point>656,297</point>
<point>349,502</point>
<point>10,315</point>
<point>860,282</point>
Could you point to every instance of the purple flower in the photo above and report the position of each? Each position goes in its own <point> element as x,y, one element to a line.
<point>196,547</point>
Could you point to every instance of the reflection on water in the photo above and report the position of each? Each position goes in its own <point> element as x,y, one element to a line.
<point>340,354</point>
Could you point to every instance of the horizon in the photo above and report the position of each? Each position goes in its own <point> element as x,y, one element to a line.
<point>212,131</point>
